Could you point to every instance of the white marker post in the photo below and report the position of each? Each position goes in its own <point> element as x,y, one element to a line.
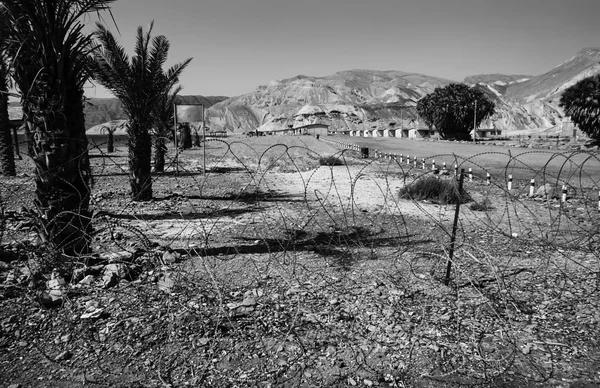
<point>509,182</point>
<point>488,179</point>
<point>532,187</point>
<point>433,168</point>
<point>415,162</point>
<point>564,194</point>
<point>423,163</point>
<point>470,174</point>
<point>455,169</point>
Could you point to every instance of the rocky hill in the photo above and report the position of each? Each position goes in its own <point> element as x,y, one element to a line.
<point>496,79</point>
<point>550,85</point>
<point>361,99</point>
<point>345,99</point>
<point>533,103</point>
<point>368,99</point>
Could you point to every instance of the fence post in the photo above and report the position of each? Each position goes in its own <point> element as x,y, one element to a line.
<point>454,227</point>
<point>532,187</point>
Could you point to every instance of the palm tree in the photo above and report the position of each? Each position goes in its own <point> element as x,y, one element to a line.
<point>50,61</point>
<point>163,122</point>
<point>139,84</point>
<point>7,159</point>
<point>582,102</point>
<point>110,131</point>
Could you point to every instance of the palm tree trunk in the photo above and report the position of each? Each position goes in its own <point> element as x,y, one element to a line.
<point>160,149</point>
<point>140,151</point>
<point>186,136</point>
<point>110,146</point>
<point>7,159</point>
<point>62,174</point>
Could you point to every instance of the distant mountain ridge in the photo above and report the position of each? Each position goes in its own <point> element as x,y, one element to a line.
<point>365,99</point>
<point>358,99</point>
<point>348,98</point>
<point>498,79</point>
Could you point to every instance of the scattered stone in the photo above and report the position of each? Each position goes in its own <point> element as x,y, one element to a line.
<point>112,257</point>
<point>96,313</point>
<point>121,270</point>
<point>248,302</point>
<point>63,356</point>
<point>110,279</point>
<point>78,274</point>
<point>166,283</point>
<point>86,281</point>
<point>546,190</point>
<point>170,257</point>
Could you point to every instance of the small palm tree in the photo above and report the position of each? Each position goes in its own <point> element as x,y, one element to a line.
<point>50,62</point>
<point>582,102</point>
<point>138,83</point>
<point>163,123</point>
<point>110,131</point>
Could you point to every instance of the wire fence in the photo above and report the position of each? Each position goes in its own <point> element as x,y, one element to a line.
<point>279,267</point>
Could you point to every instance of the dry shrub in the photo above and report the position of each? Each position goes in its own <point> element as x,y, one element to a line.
<point>435,189</point>
<point>331,161</point>
<point>483,206</point>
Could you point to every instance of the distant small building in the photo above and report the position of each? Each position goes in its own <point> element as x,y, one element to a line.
<point>309,129</point>
<point>487,132</point>
<point>423,133</point>
<point>312,129</point>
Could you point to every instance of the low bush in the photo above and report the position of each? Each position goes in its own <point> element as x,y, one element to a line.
<point>482,206</point>
<point>331,161</point>
<point>435,189</point>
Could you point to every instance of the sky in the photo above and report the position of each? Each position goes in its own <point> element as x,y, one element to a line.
<point>237,45</point>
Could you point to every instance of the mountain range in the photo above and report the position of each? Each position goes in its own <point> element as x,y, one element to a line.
<point>359,99</point>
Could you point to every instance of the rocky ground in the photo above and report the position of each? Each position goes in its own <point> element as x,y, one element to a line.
<point>273,271</point>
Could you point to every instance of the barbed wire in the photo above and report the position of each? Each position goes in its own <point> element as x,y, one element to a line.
<point>311,259</point>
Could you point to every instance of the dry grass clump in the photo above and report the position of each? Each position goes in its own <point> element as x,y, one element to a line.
<point>481,206</point>
<point>331,161</point>
<point>435,189</point>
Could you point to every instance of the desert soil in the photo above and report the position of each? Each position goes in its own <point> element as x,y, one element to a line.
<point>273,271</point>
